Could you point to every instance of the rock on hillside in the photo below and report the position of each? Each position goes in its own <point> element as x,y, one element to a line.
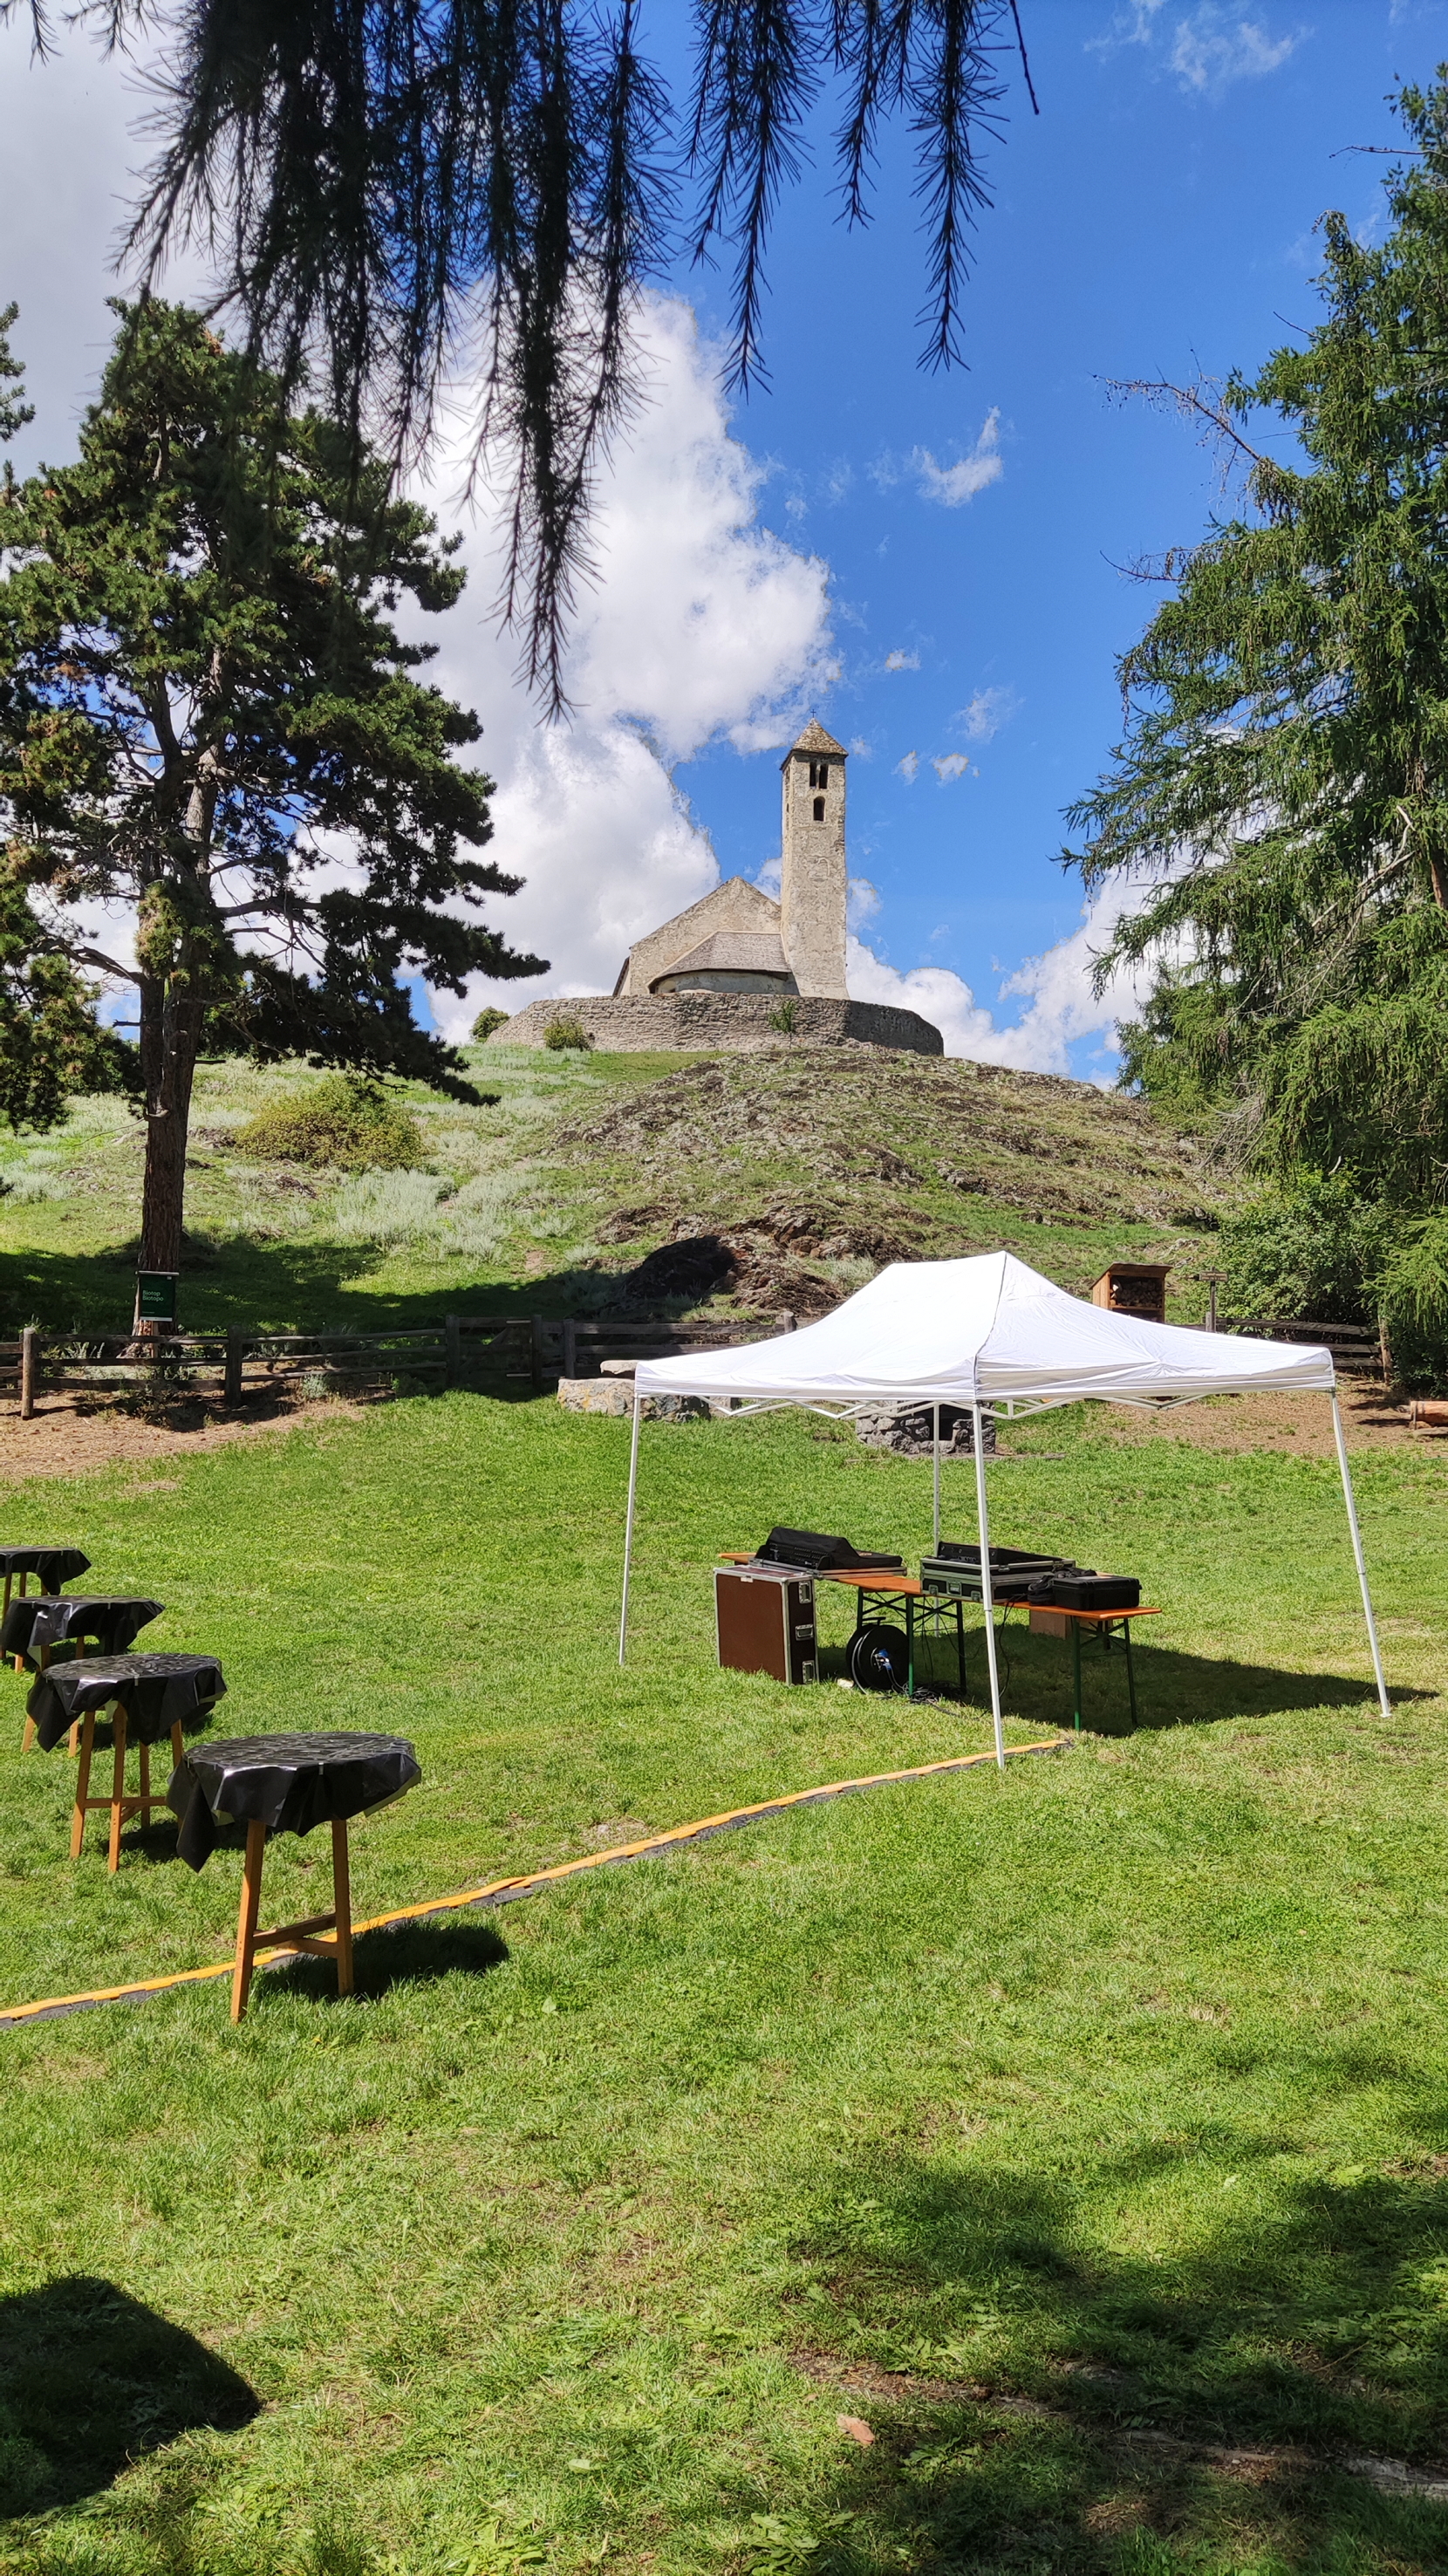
<point>784,1179</point>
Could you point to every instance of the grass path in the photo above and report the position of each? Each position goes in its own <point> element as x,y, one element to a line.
<point>1085,2134</point>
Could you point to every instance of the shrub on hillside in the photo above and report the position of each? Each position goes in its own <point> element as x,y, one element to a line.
<point>486,1022</point>
<point>1318,1250</point>
<point>567,1031</point>
<point>353,1126</point>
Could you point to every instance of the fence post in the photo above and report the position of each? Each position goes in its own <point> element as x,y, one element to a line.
<point>535,1327</point>
<point>452,1327</point>
<point>231,1390</point>
<point>27,1373</point>
<point>570,1347</point>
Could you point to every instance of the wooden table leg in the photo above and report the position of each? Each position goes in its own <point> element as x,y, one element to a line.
<point>342,1903</point>
<point>82,1783</point>
<point>246,1919</point>
<point>118,1787</point>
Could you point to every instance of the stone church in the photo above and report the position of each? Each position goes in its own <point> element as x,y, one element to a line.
<point>738,970</point>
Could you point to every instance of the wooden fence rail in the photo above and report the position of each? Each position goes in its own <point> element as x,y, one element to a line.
<point>461,1350</point>
<point>1356,1348</point>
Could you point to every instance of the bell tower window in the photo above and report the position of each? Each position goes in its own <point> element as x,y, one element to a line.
<point>819,775</point>
<point>819,809</point>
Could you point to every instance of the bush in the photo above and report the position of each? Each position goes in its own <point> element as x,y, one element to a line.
<point>1319,1250</point>
<point>1313,1249</point>
<point>351,1125</point>
<point>566,1031</point>
<point>785,1018</point>
<point>486,1022</point>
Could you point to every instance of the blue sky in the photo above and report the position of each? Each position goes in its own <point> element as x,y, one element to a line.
<point>1157,217</point>
<point>927,561</point>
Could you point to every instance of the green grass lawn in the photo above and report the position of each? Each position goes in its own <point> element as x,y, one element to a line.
<point>1084,2132</point>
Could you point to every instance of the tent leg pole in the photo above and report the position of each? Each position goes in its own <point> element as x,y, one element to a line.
<point>628,1526</point>
<point>1357,1549</point>
<point>937,1481</point>
<point>983,1523</point>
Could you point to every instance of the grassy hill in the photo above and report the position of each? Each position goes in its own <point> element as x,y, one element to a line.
<point>769,1181</point>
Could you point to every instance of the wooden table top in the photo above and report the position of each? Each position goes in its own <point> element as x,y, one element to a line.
<point>865,1578</point>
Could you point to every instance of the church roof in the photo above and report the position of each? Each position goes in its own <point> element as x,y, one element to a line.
<point>815,738</point>
<point>747,951</point>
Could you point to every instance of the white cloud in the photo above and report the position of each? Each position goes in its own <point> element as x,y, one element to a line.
<point>862,902</point>
<point>1056,988</point>
<point>1209,48</point>
<point>953,484</point>
<point>988,710</point>
<point>1213,48</point>
<point>950,765</point>
<point>898,661</point>
<point>908,768</point>
<point>700,623</point>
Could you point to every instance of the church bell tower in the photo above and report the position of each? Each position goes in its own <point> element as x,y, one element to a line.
<point>813,884</point>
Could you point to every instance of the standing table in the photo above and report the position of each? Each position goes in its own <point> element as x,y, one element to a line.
<point>32,1628</point>
<point>53,1568</point>
<point>151,1696</point>
<point>286,1784</point>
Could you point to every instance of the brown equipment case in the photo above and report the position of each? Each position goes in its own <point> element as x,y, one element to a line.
<point>766,1622</point>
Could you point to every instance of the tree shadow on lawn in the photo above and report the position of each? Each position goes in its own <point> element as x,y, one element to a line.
<point>281,1287</point>
<point>414,1954</point>
<point>1201,2412</point>
<point>90,2379</point>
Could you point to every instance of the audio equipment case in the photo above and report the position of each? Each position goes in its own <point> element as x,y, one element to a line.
<point>766,1622</point>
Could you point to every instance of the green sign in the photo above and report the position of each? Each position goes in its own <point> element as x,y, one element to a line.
<point>156,1296</point>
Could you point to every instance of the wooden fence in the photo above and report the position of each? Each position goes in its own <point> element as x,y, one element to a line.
<point>484,1351</point>
<point>1357,1349</point>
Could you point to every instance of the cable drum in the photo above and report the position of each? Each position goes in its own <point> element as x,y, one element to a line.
<point>879,1659</point>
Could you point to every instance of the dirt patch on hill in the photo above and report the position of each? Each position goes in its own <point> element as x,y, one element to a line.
<point>783,1180</point>
<point>61,1441</point>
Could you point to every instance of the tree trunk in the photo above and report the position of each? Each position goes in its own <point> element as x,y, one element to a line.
<point>170,1037</point>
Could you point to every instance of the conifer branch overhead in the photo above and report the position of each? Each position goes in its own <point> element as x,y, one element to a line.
<point>408,192</point>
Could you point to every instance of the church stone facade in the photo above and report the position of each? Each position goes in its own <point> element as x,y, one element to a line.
<point>737,970</point>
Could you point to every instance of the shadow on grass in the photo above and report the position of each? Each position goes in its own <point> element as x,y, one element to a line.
<point>1172,1688</point>
<point>286,1287</point>
<point>90,2380</point>
<point>415,1954</point>
<point>1110,2412</point>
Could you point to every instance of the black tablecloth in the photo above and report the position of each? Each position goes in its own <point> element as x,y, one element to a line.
<point>54,1565</point>
<point>286,1782</point>
<point>156,1691</point>
<point>48,1619</point>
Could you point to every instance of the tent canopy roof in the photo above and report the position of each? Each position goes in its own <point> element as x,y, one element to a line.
<point>985,1331</point>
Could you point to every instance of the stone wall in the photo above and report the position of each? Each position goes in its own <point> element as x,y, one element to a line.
<point>719,1023</point>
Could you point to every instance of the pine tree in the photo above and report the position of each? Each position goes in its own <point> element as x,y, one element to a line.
<point>208,718</point>
<point>1283,783</point>
<point>50,1043</point>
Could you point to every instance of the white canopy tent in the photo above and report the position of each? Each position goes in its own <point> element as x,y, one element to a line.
<point>989,1335</point>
